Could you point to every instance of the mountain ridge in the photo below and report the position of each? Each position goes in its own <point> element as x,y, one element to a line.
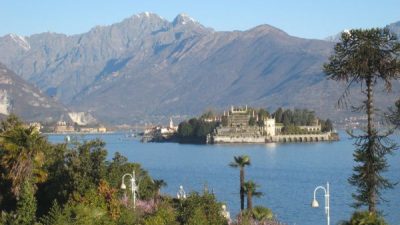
<point>146,67</point>
<point>20,98</point>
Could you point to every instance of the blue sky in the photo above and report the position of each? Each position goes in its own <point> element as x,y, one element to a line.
<point>303,18</point>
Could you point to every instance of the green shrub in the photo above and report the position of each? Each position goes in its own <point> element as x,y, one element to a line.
<point>165,215</point>
<point>365,218</point>
<point>200,209</point>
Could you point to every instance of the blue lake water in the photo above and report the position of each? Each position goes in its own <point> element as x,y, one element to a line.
<point>287,174</point>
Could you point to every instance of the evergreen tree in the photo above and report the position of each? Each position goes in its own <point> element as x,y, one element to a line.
<point>364,218</point>
<point>278,115</point>
<point>366,57</point>
<point>26,205</point>
<point>326,126</point>
<point>185,129</point>
<point>252,121</point>
<point>262,113</point>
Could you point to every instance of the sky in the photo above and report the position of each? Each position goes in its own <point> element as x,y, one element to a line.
<point>302,18</point>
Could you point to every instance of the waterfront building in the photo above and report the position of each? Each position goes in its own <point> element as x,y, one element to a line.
<point>88,130</point>
<point>236,128</point>
<point>269,126</point>
<point>102,129</point>
<point>242,125</point>
<point>316,127</point>
<point>214,119</point>
<point>63,127</point>
<point>160,133</point>
<point>278,128</point>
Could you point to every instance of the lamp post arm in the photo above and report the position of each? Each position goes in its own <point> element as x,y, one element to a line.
<point>326,190</point>
<point>123,177</point>
<point>319,187</point>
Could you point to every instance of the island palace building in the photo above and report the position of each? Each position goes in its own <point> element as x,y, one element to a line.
<point>237,130</point>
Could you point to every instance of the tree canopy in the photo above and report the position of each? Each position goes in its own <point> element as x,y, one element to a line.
<point>74,183</point>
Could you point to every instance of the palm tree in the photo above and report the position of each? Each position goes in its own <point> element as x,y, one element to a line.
<point>240,162</point>
<point>365,57</point>
<point>158,184</point>
<point>261,213</point>
<point>22,156</point>
<point>10,123</point>
<point>250,188</point>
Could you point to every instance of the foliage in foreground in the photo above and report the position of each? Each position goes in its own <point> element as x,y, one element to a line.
<point>73,183</point>
<point>258,215</point>
<point>200,209</point>
<point>365,218</point>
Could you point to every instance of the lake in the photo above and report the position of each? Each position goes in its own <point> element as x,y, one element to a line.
<point>287,174</point>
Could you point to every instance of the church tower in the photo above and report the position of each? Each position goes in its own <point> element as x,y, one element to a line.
<point>171,123</point>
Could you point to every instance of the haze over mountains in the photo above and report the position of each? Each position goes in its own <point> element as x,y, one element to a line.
<point>146,67</point>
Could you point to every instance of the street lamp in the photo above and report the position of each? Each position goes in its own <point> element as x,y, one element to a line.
<point>181,193</point>
<point>134,187</point>
<point>225,213</point>
<point>315,204</point>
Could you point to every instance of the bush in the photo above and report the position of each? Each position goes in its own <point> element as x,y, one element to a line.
<point>259,215</point>
<point>165,215</point>
<point>365,218</point>
<point>200,209</point>
<point>129,217</point>
<point>77,213</point>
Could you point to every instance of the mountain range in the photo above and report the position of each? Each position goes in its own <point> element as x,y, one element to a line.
<point>146,68</point>
<point>19,97</point>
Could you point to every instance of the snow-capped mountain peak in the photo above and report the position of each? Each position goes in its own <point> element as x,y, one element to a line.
<point>183,19</point>
<point>147,15</point>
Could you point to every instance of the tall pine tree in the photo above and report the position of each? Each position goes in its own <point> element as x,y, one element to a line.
<point>366,57</point>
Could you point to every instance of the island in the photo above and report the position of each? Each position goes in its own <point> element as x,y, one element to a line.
<point>247,125</point>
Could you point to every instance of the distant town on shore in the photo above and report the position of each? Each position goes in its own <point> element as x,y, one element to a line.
<point>234,125</point>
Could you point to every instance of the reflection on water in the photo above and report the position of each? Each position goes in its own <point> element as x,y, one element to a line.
<point>271,146</point>
<point>287,174</point>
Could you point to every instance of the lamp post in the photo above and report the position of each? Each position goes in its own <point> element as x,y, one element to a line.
<point>315,204</point>
<point>225,213</point>
<point>134,187</point>
<point>181,193</point>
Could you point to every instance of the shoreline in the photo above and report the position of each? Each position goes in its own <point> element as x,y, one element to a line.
<point>78,133</point>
